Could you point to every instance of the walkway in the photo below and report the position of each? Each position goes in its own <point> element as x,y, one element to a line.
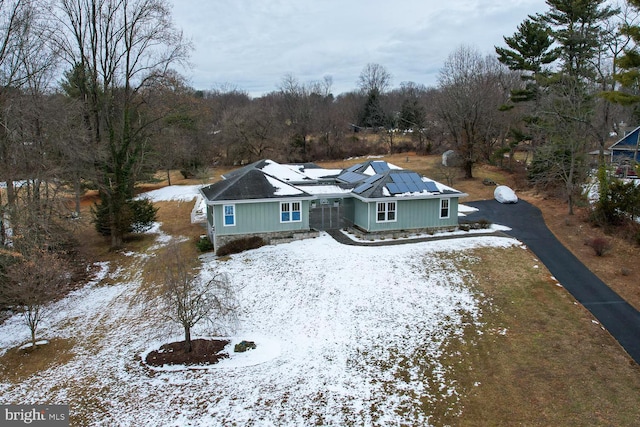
<point>340,237</point>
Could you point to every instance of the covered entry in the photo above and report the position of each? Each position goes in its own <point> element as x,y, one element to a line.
<point>326,214</point>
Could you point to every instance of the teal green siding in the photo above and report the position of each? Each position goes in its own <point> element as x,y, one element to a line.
<point>261,217</point>
<point>349,209</point>
<point>410,214</point>
<point>361,214</point>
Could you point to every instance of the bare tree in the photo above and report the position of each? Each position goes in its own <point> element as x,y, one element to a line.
<point>120,48</point>
<point>374,78</point>
<point>32,282</point>
<point>470,94</point>
<point>18,22</point>
<point>189,298</point>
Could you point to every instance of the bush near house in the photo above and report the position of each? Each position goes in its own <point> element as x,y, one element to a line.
<point>240,245</point>
<point>204,244</point>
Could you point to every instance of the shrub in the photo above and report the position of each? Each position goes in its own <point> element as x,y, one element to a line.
<point>204,244</point>
<point>143,215</point>
<point>600,245</point>
<point>243,346</point>
<point>240,245</point>
<point>140,216</point>
<point>483,223</point>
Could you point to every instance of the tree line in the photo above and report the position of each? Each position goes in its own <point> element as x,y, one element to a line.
<point>90,99</point>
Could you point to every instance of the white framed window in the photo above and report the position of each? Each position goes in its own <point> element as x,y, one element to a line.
<point>229,213</point>
<point>444,208</point>
<point>386,212</point>
<point>290,212</point>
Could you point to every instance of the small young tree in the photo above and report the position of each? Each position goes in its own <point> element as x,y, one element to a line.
<point>32,282</point>
<point>190,299</point>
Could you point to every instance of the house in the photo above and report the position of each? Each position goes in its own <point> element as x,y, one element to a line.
<point>626,149</point>
<point>290,202</point>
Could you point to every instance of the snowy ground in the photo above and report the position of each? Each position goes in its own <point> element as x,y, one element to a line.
<point>345,336</point>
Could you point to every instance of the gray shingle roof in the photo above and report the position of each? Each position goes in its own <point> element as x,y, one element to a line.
<point>249,183</point>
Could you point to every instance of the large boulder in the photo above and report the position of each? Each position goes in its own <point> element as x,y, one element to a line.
<point>504,194</point>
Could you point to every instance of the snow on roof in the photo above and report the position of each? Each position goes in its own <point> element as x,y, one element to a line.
<point>283,172</point>
<point>282,188</point>
<point>371,171</point>
<point>324,189</point>
<point>318,173</point>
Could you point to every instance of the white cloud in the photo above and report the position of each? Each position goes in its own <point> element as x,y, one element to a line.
<point>252,45</point>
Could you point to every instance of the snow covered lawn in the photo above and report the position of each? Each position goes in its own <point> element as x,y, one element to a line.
<point>345,336</point>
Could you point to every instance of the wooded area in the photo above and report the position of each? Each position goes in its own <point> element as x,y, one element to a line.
<point>90,100</point>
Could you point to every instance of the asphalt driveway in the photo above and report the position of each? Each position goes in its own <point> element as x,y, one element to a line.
<point>527,225</point>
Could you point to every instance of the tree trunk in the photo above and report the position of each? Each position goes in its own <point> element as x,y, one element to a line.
<point>468,169</point>
<point>187,339</point>
<point>77,189</point>
<point>33,338</point>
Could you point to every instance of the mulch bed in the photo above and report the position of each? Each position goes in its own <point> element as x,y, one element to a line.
<point>204,352</point>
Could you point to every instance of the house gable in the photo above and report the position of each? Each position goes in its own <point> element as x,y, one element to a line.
<point>626,147</point>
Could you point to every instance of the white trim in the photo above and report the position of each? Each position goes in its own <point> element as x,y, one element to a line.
<point>387,211</point>
<point>272,200</point>
<point>448,201</point>
<point>412,197</point>
<point>290,211</point>
<point>224,215</point>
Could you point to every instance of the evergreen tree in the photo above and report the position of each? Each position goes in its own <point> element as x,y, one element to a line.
<point>629,64</point>
<point>530,51</point>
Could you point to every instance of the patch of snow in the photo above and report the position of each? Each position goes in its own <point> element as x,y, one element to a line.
<point>466,209</point>
<point>183,193</point>
<point>29,344</point>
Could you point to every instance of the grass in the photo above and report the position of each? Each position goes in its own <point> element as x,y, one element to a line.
<point>540,358</point>
<point>17,364</point>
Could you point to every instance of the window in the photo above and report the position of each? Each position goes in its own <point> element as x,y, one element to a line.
<point>444,208</point>
<point>386,212</point>
<point>229,215</point>
<point>290,212</point>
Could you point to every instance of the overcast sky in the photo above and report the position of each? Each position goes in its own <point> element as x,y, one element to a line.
<point>252,44</point>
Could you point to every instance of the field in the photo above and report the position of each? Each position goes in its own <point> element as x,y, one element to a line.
<point>471,332</point>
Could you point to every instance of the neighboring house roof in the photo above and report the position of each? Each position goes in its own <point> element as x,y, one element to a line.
<point>250,183</point>
<point>627,143</point>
